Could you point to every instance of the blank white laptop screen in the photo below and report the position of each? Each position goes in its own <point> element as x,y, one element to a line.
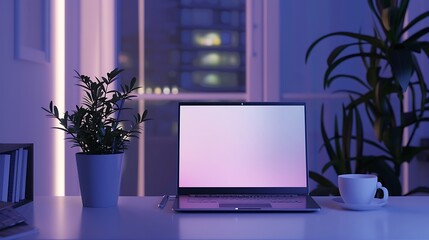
<point>242,146</point>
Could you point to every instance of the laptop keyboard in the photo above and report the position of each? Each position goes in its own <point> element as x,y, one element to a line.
<point>212,198</point>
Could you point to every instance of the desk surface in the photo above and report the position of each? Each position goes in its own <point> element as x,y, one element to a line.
<point>140,218</point>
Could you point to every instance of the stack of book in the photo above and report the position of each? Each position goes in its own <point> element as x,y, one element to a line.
<point>13,175</point>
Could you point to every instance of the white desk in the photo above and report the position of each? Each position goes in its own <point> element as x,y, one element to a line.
<point>139,218</point>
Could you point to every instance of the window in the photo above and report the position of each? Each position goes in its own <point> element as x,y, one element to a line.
<point>184,50</point>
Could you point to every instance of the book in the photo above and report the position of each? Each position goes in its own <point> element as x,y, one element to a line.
<point>14,175</point>
<point>19,183</point>
<point>19,173</point>
<point>4,176</point>
<point>13,161</point>
<point>24,174</point>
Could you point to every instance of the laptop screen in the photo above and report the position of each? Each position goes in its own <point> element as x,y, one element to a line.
<point>242,145</point>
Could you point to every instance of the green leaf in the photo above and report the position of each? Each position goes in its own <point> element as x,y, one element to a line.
<point>378,128</point>
<point>372,75</point>
<point>416,36</point>
<point>346,76</point>
<point>338,50</point>
<point>402,66</point>
<point>392,138</point>
<point>386,176</point>
<point>56,114</point>
<point>349,92</point>
<point>425,47</point>
<point>323,181</point>
<point>362,99</point>
<point>414,21</point>
<point>133,82</point>
<point>416,190</point>
<point>326,142</point>
<point>329,164</point>
<point>408,118</point>
<point>421,82</point>
<point>359,141</point>
<point>340,163</point>
<point>397,17</point>
<point>377,14</point>
<point>409,152</point>
<point>365,38</point>
<point>339,61</point>
<point>347,137</point>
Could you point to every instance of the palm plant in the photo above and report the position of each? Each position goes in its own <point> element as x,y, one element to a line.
<point>392,77</point>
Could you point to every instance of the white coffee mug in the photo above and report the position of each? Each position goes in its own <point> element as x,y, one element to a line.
<point>360,188</point>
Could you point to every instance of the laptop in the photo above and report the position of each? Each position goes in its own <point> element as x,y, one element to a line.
<point>242,157</point>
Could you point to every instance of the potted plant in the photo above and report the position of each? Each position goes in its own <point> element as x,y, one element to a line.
<point>391,67</point>
<point>96,127</point>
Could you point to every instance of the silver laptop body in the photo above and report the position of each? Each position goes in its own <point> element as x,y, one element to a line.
<point>242,156</point>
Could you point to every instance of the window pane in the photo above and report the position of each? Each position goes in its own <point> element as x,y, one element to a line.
<point>196,36</point>
<point>160,139</point>
<point>190,46</point>
<point>217,59</point>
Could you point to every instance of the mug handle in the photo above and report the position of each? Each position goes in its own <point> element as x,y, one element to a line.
<point>385,191</point>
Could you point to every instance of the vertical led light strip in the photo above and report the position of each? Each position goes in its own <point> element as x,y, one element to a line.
<point>140,164</point>
<point>107,45</point>
<point>271,46</point>
<point>405,167</point>
<point>58,19</point>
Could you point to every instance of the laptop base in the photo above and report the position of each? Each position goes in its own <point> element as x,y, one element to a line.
<point>188,203</point>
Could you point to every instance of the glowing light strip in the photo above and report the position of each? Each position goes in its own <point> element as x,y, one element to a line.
<point>405,168</point>
<point>59,94</point>
<point>140,164</point>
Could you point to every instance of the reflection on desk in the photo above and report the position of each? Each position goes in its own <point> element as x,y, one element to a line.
<point>140,217</point>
